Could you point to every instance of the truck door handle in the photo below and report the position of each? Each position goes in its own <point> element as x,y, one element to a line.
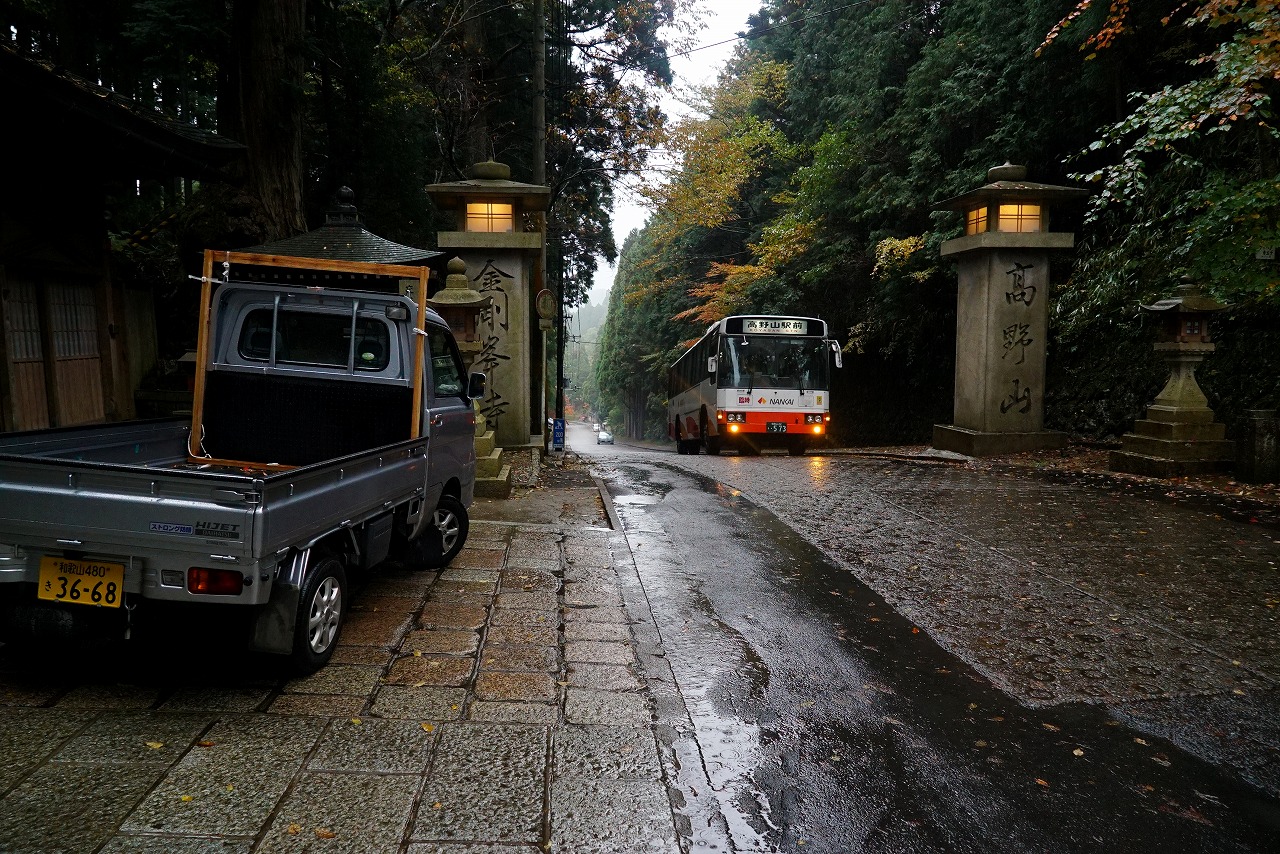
<point>437,420</point>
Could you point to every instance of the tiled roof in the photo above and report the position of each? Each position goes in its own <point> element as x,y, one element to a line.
<point>344,238</point>
<point>66,116</point>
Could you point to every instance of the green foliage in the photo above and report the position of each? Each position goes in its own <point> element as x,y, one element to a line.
<point>817,196</point>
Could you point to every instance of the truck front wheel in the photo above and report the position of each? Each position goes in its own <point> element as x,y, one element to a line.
<point>445,535</point>
<point>320,611</point>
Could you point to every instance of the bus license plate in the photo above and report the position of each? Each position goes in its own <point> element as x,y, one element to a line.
<point>81,582</point>
<point>775,427</point>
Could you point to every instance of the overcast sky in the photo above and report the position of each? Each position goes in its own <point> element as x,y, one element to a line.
<point>723,20</point>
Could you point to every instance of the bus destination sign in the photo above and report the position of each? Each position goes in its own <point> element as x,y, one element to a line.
<point>775,326</point>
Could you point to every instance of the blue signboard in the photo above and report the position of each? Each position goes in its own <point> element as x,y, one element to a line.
<point>557,435</point>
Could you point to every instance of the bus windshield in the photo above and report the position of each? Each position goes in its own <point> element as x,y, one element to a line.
<point>757,361</point>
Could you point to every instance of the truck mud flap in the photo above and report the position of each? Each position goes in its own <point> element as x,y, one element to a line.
<point>273,629</point>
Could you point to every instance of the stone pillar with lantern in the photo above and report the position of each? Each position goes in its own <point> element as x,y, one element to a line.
<point>497,243</point>
<point>1002,314</point>
<point>1179,435</point>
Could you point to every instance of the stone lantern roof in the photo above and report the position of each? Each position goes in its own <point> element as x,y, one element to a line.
<point>489,179</point>
<point>1187,299</point>
<point>457,291</point>
<point>1009,184</point>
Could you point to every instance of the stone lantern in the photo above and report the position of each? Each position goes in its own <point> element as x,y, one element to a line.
<point>461,307</point>
<point>494,237</point>
<point>1002,314</point>
<point>1179,435</point>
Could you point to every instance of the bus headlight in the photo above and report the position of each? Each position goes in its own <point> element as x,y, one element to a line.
<point>814,418</point>
<point>736,417</point>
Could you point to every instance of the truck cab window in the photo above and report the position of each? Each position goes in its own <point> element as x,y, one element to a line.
<point>446,367</point>
<point>315,338</point>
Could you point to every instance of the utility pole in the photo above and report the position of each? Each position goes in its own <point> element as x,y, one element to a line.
<point>540,177</point>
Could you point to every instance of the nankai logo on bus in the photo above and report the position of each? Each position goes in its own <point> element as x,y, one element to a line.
<point>777,401</point>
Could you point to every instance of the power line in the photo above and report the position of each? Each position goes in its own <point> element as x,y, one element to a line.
<point>759,32</point>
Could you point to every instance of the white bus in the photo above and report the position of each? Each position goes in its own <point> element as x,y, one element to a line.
<point>753,382</point>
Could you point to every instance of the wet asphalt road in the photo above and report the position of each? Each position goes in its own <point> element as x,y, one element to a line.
<point>989,700</point>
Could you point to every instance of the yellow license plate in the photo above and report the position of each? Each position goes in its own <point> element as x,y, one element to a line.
<point>81,582</point>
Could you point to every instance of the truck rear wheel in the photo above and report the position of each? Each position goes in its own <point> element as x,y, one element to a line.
<point>321,609</point>
<point>445,535</point>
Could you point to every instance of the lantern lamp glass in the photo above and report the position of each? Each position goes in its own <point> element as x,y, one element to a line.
<point>975,220</point>
<point>490,217</point>
<point>1021,219</point>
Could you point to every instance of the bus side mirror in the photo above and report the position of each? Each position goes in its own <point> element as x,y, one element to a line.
<point>835,348</point>
<point>711,364</point>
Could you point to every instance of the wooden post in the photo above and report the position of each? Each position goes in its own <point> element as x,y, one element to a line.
<point>202,357</point>
<point>419,346</point>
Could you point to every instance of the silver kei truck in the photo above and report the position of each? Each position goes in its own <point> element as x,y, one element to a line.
<point>330,429</point>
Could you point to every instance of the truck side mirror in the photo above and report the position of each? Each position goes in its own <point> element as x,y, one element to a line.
<point>835,348</point>
<point>476,384</point>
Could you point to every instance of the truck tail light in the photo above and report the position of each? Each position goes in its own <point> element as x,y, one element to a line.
<point>215,582</point>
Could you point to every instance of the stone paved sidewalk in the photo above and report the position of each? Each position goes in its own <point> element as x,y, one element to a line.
<point>494,706</point>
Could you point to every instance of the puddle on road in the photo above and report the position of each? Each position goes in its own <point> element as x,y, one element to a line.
<point>635,500</point>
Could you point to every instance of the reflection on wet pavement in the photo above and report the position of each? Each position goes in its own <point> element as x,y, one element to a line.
<point>1056,593</point>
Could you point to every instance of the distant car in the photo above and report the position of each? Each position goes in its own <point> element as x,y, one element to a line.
<point>604,437</point>
<point>596,426</point>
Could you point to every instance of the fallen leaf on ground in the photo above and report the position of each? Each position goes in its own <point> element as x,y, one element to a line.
<point>325,833</point>
<point>429,727</point>
<point>1077,752</point>
<point>155,745</point>
<point>1044,783</point>
<point>293,829</point>
<point>205,743</point>
<point>1051,727</point>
